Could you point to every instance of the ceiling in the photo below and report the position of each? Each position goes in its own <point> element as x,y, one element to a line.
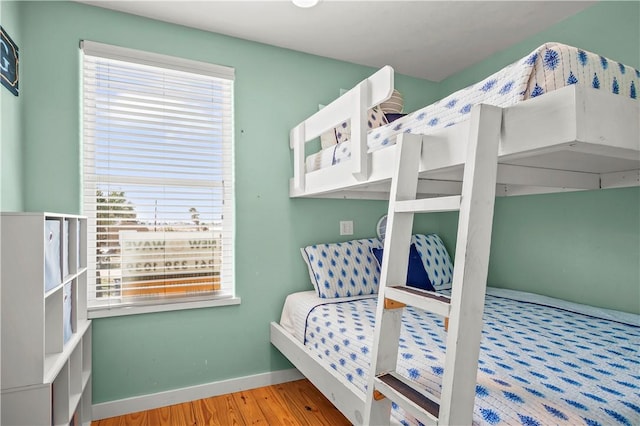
<point>424,39</point>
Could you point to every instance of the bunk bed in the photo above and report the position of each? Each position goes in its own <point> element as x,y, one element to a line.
<point>568,120</point>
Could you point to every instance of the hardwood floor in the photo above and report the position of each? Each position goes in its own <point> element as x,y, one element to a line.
<point>293,403</point>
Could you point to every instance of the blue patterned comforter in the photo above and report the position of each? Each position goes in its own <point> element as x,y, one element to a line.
<point>539,365</point>
<point>548,68</point>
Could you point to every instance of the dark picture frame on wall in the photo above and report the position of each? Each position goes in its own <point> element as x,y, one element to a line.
<point>9,60</point>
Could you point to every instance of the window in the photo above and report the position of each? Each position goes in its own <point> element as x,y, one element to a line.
<point>157,180</point>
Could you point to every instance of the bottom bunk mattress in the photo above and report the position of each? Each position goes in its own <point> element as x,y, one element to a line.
<point>542,361</point>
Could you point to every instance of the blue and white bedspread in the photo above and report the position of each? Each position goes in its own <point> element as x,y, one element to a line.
<point>549,67</point>
<point>539,365</point>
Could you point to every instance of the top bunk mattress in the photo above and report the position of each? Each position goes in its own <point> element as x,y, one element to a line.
<point>548,68</point>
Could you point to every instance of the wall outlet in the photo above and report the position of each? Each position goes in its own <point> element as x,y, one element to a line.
<point>346,227</point>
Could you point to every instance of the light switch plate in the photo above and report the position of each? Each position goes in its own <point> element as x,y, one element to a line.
<point>346,227</point>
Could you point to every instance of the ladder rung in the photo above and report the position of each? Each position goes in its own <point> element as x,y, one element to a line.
<point>429,205</point>
<point>422,406</point>
<point>426,300</point>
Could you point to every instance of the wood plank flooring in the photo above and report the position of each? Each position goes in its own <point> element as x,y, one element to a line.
<point>288,404</point>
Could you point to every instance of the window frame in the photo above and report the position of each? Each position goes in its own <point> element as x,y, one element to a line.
<point>100,310</point>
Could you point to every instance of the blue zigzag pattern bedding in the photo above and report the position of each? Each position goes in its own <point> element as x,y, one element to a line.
<point>549,67</point>
<point>539,365</point>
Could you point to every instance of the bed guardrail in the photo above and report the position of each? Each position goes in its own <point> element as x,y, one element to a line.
<point>352,105</point>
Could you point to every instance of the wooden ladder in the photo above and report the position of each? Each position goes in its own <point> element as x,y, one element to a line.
<point>464,308</point>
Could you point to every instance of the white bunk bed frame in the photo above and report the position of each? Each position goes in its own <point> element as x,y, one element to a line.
<point>574,138</point>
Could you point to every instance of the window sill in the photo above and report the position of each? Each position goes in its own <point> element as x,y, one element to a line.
<point>158,306</point>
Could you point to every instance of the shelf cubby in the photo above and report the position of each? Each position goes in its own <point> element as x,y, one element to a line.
<point>45,376</point>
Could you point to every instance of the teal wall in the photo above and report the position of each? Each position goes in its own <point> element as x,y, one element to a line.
<point>11,123</point>
<point>610,28</point>
<point>275,89</point>
<point>582,246</point>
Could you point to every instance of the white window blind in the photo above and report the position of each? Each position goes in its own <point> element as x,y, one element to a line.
<point>157,177</point>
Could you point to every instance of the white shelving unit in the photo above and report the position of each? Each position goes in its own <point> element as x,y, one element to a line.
<point>46,336</point>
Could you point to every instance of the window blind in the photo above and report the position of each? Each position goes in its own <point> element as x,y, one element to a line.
<point>157,177</point>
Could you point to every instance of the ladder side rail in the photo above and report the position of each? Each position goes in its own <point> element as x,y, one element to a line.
<point>471,267</point>
<point>395,259</point>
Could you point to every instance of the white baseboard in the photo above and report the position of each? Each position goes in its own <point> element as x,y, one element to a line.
<point>120,407</point>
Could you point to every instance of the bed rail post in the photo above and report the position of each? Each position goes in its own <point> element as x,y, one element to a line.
<point>297,143</point>
<point>359,148</point>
